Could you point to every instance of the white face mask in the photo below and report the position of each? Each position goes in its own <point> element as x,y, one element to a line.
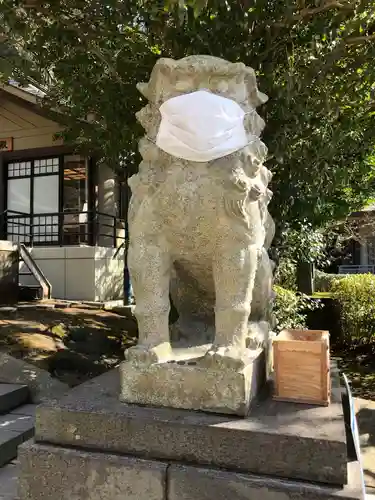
<point>201,127</point>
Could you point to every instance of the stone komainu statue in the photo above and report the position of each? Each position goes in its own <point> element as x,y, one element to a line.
<point>201,230</point>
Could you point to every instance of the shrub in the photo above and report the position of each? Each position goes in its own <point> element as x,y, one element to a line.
<point>323,281</point>
<point>355,296</point>
<point>327,317</point>
<point>291,308</point>
<point>286,274</point>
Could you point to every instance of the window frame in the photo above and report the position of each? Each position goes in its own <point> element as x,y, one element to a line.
<point>32,159</point>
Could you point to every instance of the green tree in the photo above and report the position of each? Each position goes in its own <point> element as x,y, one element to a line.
<point>313,58</point>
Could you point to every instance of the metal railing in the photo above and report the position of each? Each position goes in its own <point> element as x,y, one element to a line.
<point>62,228</point>
<point>36,271</point>
<point>356,269</point>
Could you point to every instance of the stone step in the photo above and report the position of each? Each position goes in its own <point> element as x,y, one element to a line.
<point>12,396</point>
<point>15,428</point>
<point>8,481</point>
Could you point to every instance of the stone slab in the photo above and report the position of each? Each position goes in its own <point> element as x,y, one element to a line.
<point>29,410</point>
<point>52,473</point>
<point>18,423</point>
<point>40,383</point>
<point>279,439</point>
<point>191,483</point>
<point>184,384</point>
<point>11,396</point>
<point>9,442</point>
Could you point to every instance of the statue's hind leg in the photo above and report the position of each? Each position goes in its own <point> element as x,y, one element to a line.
<point>150,266</point>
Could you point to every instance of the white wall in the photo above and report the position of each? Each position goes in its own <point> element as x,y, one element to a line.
<point>106,203</point>
<point>79,272</point>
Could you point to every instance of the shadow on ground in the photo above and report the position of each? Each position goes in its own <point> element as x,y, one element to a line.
<point>74,344</point>
<point>357,361</point>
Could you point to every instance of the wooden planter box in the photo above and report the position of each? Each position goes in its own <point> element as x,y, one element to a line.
<point>302,366</point>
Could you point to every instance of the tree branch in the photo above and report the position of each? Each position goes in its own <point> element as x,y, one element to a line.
<point>47,14</point>
<point>309,12</point>
<point>324,8</point>
<point>356,40</point>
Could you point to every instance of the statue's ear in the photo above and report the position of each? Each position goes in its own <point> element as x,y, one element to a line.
<point>143,89</point>
<point>257,98</point>
<point>165,66</point>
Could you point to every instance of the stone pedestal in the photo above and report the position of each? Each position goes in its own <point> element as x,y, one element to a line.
<point>186,382</point>
<point>89,445</point>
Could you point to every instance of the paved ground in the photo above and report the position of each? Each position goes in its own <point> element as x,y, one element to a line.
<point>8,481</point>
<point>366,423</point>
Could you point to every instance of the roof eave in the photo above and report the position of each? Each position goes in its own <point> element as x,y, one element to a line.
<point>21,94</point>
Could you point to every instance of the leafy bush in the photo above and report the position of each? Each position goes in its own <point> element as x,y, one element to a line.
<point>355,296</point>
<point>304,243</point>
<point>286,274</point>
<point>323,281</point>
<point>291,308</point>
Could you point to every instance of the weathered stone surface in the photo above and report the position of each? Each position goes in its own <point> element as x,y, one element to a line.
<point>49,473</point>
<point>279,439</point>
<point>8,482</point>
<point>191,483</point>
<point>41,385</point>
<point>188,384</point>
<point>200,232</point>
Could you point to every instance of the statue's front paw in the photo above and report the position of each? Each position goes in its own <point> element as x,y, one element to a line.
<point>255,342</point>
<point>258,335</point>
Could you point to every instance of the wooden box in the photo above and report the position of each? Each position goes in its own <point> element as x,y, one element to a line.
<point>302,366</point>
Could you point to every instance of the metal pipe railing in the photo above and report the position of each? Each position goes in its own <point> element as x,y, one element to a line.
<point>61,228</point>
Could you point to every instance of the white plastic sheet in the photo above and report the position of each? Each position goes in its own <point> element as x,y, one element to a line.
<point>201,127</point>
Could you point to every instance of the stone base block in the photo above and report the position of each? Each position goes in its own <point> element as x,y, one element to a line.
<point>54,473</point>
<point>185,384</point>
<point>57,473</point>
<point>191,483</point>
<point>286,440</point>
